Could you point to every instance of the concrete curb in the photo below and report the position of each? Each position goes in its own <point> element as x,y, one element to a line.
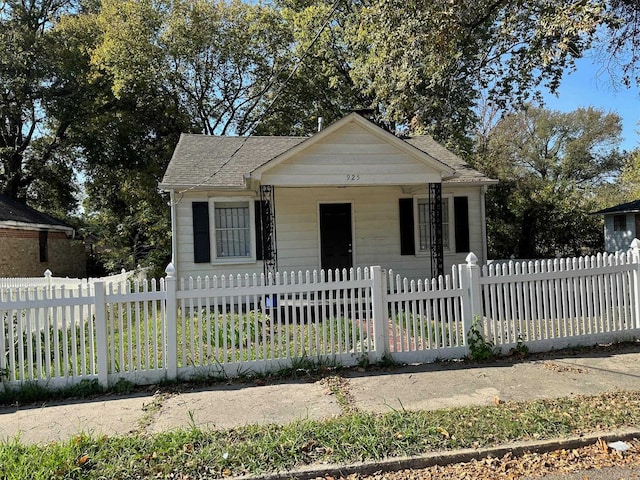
<point>447,457</point>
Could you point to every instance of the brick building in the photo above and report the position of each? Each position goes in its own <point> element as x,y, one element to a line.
<point>32,242</point>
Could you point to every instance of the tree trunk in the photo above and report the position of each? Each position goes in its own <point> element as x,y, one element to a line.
<point>15,185</point>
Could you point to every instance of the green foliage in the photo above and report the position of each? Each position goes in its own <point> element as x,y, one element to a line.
<point>238,329</point>
<point>123,387</point>
<point>550,166</point>
<point>626,188</point>
<point>436,333</point>
<point>520,349</point>
<point>247,336</point>
<point>30,392</point>
<point>39,78</point>
<point>387,361</point>
<point>479,348</point>
<point>32,345</point>
<point>428,63</point>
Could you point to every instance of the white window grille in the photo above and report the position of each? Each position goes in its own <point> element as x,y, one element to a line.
<point>424,225</point>
<point>232,222</point>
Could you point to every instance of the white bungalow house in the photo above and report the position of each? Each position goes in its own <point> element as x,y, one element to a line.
<point>621,225</point>
<point>351,195</point>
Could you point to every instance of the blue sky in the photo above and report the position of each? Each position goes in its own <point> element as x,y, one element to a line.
<point>589,86</point>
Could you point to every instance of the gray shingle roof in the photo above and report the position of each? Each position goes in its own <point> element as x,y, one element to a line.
<point>464,171</point>
<point>205,161</point>
<point>629,207</point>
<point>14,211</point>
<point>209,161</point>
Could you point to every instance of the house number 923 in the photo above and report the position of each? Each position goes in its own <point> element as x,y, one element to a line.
<point>353,178</point>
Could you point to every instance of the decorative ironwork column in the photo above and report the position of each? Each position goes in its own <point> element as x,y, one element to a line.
<point>268,227</point>
<point>435,230</point>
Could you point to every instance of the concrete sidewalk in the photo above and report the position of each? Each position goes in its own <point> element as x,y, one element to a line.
<point>422,387</point>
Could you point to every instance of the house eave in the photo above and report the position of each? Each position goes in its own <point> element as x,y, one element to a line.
<point>182,189</point>
<point>13,225</point>
<point>617,212</point>
<point>469,183</point>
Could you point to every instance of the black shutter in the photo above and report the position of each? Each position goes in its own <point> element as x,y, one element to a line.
<point>201,242</point>
<point>461,218</point>
<point>407,238</point>
<point>263,230</point>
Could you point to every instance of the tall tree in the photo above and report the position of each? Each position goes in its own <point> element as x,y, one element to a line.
<point>423,64</point>
<point>218,59</point>
<point>549,165</point>
<point>122,147</point>
<point>38,77</point>
<point>317,82</point>
<point>619,43</point>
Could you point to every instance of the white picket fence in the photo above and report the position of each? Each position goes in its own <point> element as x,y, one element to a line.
<point>146,331</point>
<point>551,304</point>
<point>49,281</point>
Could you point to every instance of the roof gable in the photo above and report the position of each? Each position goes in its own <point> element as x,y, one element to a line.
<point>203,162</point>
<point>353,146</point>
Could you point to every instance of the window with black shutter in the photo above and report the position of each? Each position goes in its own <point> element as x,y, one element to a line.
<point>201,236</point>
<point>263,230</point>
<point>407,237</point>
<point>461,218</point>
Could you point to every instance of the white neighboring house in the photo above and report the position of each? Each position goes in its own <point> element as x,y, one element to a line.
<point>351,195</point>
<point>621,225</point>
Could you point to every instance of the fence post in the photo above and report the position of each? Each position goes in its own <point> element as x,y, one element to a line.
<point>47,275</point>
<point>635,253</point>
<point>102,343</point>
<point>472,306</point>
<point>379,315</point>
<point>171,324</point>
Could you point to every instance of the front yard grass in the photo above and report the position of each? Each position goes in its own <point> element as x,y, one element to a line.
<point>354,436</point>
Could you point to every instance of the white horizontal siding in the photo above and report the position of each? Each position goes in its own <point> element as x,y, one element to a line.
<point>185,265</point>
<point>376,227</point>
<point>375,214</point>
<point>351,156</point>
<point>619,241</point>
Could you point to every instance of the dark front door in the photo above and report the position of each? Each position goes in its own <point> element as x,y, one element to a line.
<point>335,236</point>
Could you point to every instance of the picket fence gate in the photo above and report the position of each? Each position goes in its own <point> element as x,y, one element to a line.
<point>147,331</point>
